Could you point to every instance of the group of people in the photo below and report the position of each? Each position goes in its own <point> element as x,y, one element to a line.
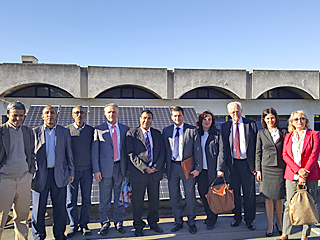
<point>59,160</point>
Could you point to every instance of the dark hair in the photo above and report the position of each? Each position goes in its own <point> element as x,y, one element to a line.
<point>147,111</point>
<point>200,119</point>
<point>17,106</point>
<point>265,113</point>
<point>177,109</point>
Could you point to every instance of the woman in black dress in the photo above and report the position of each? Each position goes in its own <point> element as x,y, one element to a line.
<point>213,161</point>
<point>270,166</point>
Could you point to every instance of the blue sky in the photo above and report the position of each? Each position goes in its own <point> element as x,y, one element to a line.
<point>224,34</point>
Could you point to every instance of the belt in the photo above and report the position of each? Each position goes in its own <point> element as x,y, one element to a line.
<point>115,162</point>
<point>50,169</point>
<point>177,162</point>
<point>240,159</point>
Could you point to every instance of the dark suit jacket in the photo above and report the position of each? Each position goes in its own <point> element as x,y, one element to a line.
<point>138,155</point>
<point>191,146</point>
<point>250,130</point>
<point>64,165</point>
<point>28,140</point>
<point>214,154</point>
<point>269,153</point>
<point>102,151</point>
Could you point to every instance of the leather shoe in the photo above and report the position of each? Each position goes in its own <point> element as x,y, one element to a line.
<point>279,231</point>
<point>60,237</point>
<point>235,223</point>
<point>209,227</point>
<point>72,231</point>
<point>120,229</point>
<point>176,227</point>
<point>138,233</point>
<point>103,231</point>
<point>251,226</point>
<point>193,229</point>
<point>85,231</point>
<point>268,234</point>
<point>156,228</point>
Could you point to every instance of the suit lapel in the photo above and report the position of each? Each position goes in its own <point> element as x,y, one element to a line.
<point>141,137</point>
<point>170,134</point>
<point>289,145</point>
<point>107,133</point>
<point>122,134</point>
<point>268,135</point>
<point>246,132</point>
<point>231,135</point>
<point>306,140</point>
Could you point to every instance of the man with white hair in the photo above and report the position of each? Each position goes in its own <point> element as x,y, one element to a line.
<point>239,135</point>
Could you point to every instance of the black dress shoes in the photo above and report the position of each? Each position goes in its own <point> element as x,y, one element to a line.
<point>120,229</point>
<point>209,227</point>
<point>103,231</point>
<point>156,228</point>
<point>235,223</point>
<point>268,234</point>
<point>138,233</point>
<point>176,227</point>
<point>72,231</point>
<point>279,231</point>
<point>60,237</point>
<point>193,229</point>
<point>251,226</point>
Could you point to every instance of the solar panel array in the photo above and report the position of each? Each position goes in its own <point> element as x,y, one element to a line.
<point>127,115</point>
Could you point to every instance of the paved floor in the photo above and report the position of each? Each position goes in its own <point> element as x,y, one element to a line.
<point>222,229</point>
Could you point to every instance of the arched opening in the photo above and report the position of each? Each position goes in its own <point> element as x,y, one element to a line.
<point>285,93</point>
<point>40,91</point>
<point>129,92</point>
<point>209,93</point>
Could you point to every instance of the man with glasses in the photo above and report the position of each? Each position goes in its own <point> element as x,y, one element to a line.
<point>239,136</point>
<point>81,142</point>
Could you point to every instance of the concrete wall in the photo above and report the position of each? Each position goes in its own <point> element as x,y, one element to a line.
<point>188,79</point>
<point>103,78</point>
<point>66,77</point>
<point>264,80</point>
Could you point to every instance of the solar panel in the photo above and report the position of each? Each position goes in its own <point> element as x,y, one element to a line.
<point>96,115</point>
<point>33,117</point>
<point>161,117</point>
<point>130,116</point>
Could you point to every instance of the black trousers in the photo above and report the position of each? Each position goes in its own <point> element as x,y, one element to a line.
<point>138,191</point>
<point>242,176</point>
<point>203,185</point>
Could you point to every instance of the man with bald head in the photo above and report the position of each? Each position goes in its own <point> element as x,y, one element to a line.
<point>55,169</point>
<point>239,135</point>
<point>81,142</point>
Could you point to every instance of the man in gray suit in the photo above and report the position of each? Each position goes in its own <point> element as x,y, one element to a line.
<point>17,165</point>
<point>109,164</point>
<point>145,147</point>
<point>182,141</point>
<point>55,169</point>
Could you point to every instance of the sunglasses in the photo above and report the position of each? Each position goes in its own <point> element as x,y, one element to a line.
<point>78,112</point>
<point>301,119</point>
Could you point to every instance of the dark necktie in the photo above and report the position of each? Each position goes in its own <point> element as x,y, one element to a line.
<point>148,148</point>
<point>175,152</point>
<point>237,141</point>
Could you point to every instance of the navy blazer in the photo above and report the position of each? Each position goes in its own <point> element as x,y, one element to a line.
<point>250,130</point>
<point>138,155</point>
<point>64,164</point>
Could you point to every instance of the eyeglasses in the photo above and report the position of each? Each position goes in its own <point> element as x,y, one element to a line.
<point>301,119</point>
<point>78,112</point>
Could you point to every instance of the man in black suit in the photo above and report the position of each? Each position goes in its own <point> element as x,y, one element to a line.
<point>239,135</point>
<point>182,141</point>
<point>145,147</point>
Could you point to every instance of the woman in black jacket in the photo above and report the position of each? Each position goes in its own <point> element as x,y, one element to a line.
<point>213,161</point>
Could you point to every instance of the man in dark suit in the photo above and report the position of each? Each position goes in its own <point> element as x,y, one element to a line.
<point>240,135</point>
<point>55,169</point>
<point>182,141</point>
<point>145,147</point>
<point>109,164</point>
<point>81,142</point>
<point>17,165</point>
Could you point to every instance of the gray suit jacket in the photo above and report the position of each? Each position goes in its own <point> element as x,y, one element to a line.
<point>191,146</point>
<point>28,140</point>
<point>64,165</point>
<point>269,153</point>
<point>102,150</point>
<point>138,155</point>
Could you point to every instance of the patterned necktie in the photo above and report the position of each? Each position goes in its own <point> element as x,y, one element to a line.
<point>149,148</point>
<point>175,152</point>
<point>115,143</point>
<point>237,141</point>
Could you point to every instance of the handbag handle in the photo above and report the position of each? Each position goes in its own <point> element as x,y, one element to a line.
<point>216,179</point>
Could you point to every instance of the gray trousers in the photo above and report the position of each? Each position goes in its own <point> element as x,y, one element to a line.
<point>291,188</point>
<point>174,192</point>
<point>105,191</point>
<point>17,192</point>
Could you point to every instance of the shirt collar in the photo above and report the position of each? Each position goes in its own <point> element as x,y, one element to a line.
<point>77,127</point>
<point>144,131</point>
<point>180,127</point>
<point>16,128</point>
<point>240,121</point>
<point>110,125</point>
<point>46,127</point>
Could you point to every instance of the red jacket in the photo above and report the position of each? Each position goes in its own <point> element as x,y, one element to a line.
<point>309,156</point>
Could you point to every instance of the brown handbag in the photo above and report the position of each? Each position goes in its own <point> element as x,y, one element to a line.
<point>303,208</point>
<point>220,198</point>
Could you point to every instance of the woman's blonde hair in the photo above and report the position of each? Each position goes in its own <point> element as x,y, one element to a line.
<point>301,113</point>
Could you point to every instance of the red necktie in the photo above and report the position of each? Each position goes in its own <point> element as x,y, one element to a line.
<point>115,143</point>
<point>237,141</point>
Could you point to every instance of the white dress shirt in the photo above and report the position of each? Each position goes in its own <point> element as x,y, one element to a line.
<point>296,148</point>
<point>179,158</point>
<point>150,140</point>
<point>242,139</point>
